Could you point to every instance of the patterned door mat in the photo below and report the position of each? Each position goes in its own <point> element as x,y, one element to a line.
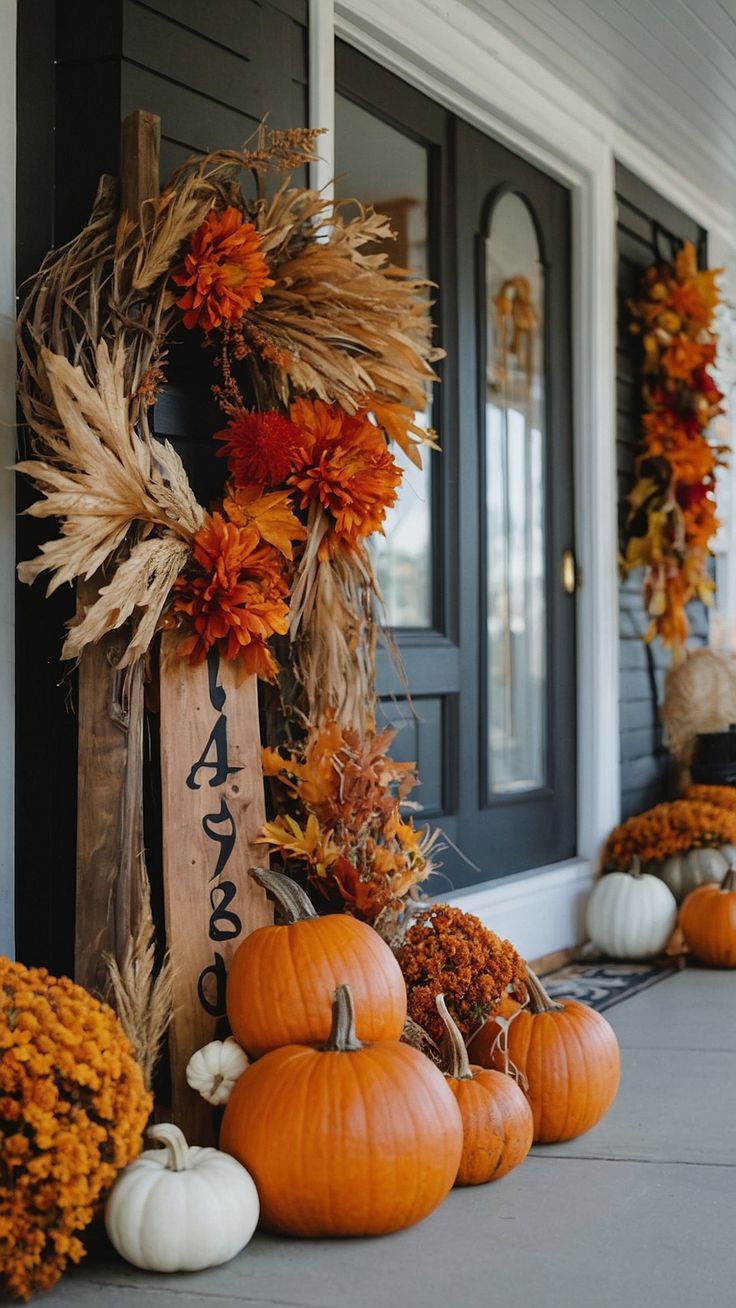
<point>601,985</point>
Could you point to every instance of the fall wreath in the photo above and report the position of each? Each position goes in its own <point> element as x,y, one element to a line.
<point>323,353</point>
<point>672,508</point>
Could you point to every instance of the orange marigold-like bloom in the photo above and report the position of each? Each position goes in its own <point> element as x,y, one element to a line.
<point>668,829</point>
<point>449,952</point>
<point>224,271</point>
<point>261,449</point>
<point>232,595</point>
<point>72,1111</point>
<point>721,796</point>
<point>683,356</point>
<point>347,468</point>
<point>271,513</point>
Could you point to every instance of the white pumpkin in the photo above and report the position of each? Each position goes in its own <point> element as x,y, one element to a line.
<point>697,867</point>
<point>631,914</point>
<point>215,1068</point>
<point>178,1209</point>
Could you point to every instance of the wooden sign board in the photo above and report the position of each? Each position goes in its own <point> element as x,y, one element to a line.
<point>213,809</point>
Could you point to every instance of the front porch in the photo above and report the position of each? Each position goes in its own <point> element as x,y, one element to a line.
<point>636,1211</point>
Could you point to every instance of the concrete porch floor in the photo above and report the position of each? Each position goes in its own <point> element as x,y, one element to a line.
<point>639,1211</point>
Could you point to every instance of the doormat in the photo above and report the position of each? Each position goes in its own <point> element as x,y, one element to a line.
<point>601,985</point>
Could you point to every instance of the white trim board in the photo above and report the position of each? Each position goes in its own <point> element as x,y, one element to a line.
<point>460,60</point>
<point>540,912</point>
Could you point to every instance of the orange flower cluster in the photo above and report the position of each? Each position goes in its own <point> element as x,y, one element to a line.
<point>668,829</point>
<point>72,1112</point>
<point>345,827</point>
<point>347,469</point>
<point>449,952</point>
<point>672,509</point>
<point>232,593</point>
<point>224,271</point>
<point>721,796</point>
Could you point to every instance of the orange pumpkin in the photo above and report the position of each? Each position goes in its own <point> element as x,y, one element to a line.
<point>707,920</point>
<point>570,1058</point>
<point>282,978</point>
<point>497,1121</point>
<point>349,1139</point>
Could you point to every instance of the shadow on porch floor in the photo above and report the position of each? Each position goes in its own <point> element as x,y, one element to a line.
<point>639,1211</point>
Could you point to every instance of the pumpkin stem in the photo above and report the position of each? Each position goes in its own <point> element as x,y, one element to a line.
<point>180,1158</point>
<point>342,1038</point>
<point>291,899</point>
<point>635,869</point>
<point>455,1061</point>
<point>729,881</point>
<point>539,1000</point>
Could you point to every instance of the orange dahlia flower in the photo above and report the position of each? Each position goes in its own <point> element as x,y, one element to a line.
<point>224,271</point>
<point>261,449</point>
<point>347,468</point>
<point>233,596</point>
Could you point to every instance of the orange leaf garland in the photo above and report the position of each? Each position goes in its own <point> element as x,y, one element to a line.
<point>672,511</point>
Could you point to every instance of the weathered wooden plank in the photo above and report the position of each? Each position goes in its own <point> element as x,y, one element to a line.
<point>213,808</point>
<point>110,837</point>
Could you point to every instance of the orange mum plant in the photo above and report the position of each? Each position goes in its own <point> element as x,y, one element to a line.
<point>672,508</point>
<point>345,830</point>
<point>446,951</point>
<point>72,1112</point>
<point>721,796</point>
<point>668,829</point>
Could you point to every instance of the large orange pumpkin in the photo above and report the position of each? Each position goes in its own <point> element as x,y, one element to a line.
<point>708,922</point>
<point>570,1058</point>
<point>348,1139</point>
<point>497,1121</point>
<point>282,978</point>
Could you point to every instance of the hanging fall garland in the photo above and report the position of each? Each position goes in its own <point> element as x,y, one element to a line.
<point>672,507</point>
<point>323,354</point>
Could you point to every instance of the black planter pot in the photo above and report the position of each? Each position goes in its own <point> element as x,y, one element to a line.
<point>714,758</point>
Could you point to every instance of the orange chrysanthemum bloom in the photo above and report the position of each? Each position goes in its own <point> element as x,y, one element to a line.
<point>721,796</point>
<point>72,1111</point>
<point>224,271</point>
<point>668,829</point>
<point>449,952</point>
<point>261,449</point>
<point>271,513</point>
<point>232,595</point>
<point>347,468</point>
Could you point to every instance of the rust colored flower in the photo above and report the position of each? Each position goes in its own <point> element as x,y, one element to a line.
<point>721,796</point>
<point>449,952</point>
<point>224,271</point>
<point>232,596</point>
<point>669,829</point>
<point>261,449</point>
<point>72,1112</point>
<point>270,513</point>
<point>347,468</point>
<point>683,356</point>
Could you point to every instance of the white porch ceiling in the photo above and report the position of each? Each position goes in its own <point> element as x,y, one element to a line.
<point>663,70</point>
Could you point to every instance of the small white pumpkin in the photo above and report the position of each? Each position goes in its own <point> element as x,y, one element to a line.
<point>178,1209</point>
<point>696,867</point>
<point>631,914</point>
<point>215,1068</point>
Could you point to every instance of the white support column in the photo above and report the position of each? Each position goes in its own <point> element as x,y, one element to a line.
<point>7,457</point>
<point>322,89</point>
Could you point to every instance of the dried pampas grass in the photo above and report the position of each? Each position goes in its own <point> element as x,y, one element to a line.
<point>143,997</point>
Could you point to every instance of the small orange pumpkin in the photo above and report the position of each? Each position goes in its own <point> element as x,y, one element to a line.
<point>485,1037</point>
<point>282,978</point>
<point>349,1139</point>
<point>708,922</point>
<point>570,1058</point>
<point>498,1125</point>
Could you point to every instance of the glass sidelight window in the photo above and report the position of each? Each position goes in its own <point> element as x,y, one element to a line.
<point>516,620</point>
<point>378,165</point>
